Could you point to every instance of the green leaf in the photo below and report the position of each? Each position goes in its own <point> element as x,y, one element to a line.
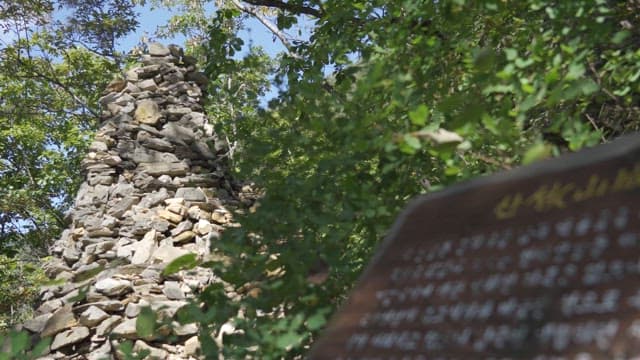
<point>19,342</point>
<point>418,116</point>
<point>536,152</point>
<point>184,262</point>
<point>287,340</point>
<point>146,323</point>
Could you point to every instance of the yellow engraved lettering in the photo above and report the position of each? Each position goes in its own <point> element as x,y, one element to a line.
<point>603,188</point>
<point>508,206</point>
<point>624,181</point>
<point>550,197</point>
<point>589,191</point>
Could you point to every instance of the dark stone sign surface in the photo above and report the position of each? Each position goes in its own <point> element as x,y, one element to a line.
<point>542,262</point>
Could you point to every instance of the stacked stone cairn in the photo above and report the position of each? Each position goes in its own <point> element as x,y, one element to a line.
<point>156,188</point>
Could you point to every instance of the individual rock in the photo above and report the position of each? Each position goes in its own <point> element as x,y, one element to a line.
<point>87,271</point>
<point>100,353</point>
<point>167,253</point>
<point>69,337</point>
<point>147,112</point>
<point>116,85</point>
<point>113,287</point>
<point>170,216</point>
<point>192,346</point>
<point>172,290</point>
<point>177,134</point>
<point>93,316</point>
<point>154,353</point>
<point>184,237</point>
<point>126,329</point>
<point>107,325</point>
<point>71,255</point>
<point>177,209</point>
<point>191,194</point>
<point>132,310</point>
<point>198,77</point>
<point>203,227</point>
<point>184,330</point>
<point>142,155</point>
<point>145,248</point>
<point>62,319</point>
<point>120,206</point>
<point>159,168</point>
<point>148,85</point>
<point>49,306</point>
<point>38,323</point>
<point>109,306</point>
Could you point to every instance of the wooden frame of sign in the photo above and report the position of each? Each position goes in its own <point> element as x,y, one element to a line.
<point>539,262</point>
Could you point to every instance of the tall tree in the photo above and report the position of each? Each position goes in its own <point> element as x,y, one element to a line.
<point>52,73</point>
<point>55,59</point>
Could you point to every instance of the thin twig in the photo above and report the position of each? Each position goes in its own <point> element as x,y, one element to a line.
<point>271,26</point>
<point>595,126</point>
<point>300,9</point>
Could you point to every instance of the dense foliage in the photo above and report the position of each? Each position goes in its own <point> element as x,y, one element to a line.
<point>53,67</point>
<point>388,98</point>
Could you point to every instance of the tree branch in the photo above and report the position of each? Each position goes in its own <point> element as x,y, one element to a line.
<point>299,9</point>
<point>271,26</point>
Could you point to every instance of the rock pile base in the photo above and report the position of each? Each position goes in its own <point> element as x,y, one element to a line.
<point>156,188</point>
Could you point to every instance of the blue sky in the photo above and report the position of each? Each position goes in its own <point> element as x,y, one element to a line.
<point>151,18</point>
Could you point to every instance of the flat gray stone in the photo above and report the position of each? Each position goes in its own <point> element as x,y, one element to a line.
<point>92,316</point>
<point>113,287</point>
<point>62,319</point>
<point>69,337</point>
<point>161,168</point>
<point>145,247</point>
<point>108,324</point>
<point>148,85</point>
<point>172,290</point>
<point>38,323</point>
<point>177,134</point>
<point>191,194</point>
<point>142,155</point>
<point>154,353</point>
<point>167,253</point>
<point>126,329</point>
<point>158,49</point>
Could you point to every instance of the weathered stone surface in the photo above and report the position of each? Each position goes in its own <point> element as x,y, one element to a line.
<point>69,337</point>
<point>126,329</point>
<point>116,85</point>
<point>154,353</point>
<point>148,112</point>
<point>192,346</point>
<point>62,319</point>
<point>107,325</point>
<point>159,168</point>
<point>38,323</point>
<point>93,316</point>
<point>145,248</point>
<point>198,77</point>
<point>170,216</point>
<point>167,253</point>
<point>183,237</point>
<point>172,290</point>
<point>148,85</point>
<point>113,287</point>
<point>191,194</point>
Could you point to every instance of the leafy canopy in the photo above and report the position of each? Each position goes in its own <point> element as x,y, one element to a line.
<point>387,100</point>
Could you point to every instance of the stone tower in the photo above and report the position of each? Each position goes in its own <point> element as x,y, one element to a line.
<point>155,188</point>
